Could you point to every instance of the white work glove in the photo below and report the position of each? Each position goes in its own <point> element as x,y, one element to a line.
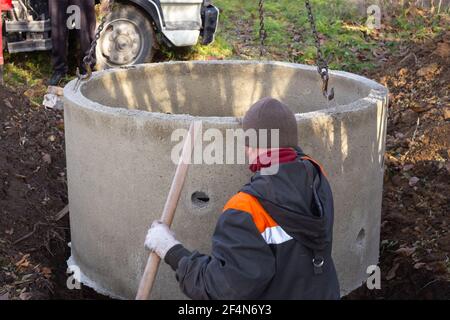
<point>160,239</point>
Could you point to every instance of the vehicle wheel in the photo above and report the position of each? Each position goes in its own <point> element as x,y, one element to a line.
<point>128,38</point>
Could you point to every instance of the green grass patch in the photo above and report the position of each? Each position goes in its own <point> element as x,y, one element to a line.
<point>345,39</point>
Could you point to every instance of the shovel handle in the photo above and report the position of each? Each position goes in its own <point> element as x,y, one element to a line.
<point>151,269</point>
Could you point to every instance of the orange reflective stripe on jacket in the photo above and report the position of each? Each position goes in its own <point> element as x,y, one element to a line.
<point>269,229</point>
<point>248,203</point>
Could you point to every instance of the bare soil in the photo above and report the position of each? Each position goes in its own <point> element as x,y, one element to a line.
<point>415,238</point>
<point>33,189</point>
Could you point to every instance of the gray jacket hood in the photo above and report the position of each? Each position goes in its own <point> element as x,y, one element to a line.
<point>299,199</point>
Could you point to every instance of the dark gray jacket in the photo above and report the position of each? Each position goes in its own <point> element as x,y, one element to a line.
<point>273,241</point>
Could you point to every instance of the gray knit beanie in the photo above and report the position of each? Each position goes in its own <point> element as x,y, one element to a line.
<point>269,113</point>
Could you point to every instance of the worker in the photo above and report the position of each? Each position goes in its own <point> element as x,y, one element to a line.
<point>274,237</point>
<point>60,29</point>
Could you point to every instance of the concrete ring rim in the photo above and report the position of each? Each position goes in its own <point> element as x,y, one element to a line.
<point>377,93</point>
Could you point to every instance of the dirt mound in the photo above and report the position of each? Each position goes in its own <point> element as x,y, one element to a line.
<point>33,244</point>
<point>415,246</point>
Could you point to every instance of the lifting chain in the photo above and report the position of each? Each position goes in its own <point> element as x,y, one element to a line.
<point>322,64</point>
<point>262,29</point>
<point>89,59</point>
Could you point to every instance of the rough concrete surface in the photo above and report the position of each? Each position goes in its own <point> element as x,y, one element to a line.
<point>118,140</point>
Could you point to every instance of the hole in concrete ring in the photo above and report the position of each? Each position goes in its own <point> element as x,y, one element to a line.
<point>200,199</point>
<point>360,239</point>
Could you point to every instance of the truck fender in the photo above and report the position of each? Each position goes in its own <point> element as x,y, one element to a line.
<point>152,8</point>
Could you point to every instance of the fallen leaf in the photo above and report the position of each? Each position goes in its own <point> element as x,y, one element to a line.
<point>406,251</point>
<point>442,50</point>
<point>398,217</point>
<point>399,135</point>
<point>408,167</point>
<point>47,272</point>
<point>25,296</point>
<point>420,107</point>
<point>8,104</point>
<point>4,296</point>
<point>413,181</point>
<point>391,274</point>
<point>27,277</point>
<point>413,11</point>
<point>391,159</point>
<point>447,113</point>
<point>397,180</point>
<point>47,158</point>
<point>23,262</point>
<point>429,71</point>
<point>419,265</point>
<point>55,90</point>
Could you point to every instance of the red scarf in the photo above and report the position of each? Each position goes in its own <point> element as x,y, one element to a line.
<point>264,160</point>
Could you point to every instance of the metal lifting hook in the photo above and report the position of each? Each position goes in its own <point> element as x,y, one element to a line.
<point>325,79</point>
<point>83,77</point>
<point>89,59</point>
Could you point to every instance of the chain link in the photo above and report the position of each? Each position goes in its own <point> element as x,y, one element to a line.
<point>89,59</point>
<point>322,64</point>
<point>262,29</point>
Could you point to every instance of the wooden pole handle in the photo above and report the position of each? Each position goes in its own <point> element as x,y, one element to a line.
<point>151,269</point>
